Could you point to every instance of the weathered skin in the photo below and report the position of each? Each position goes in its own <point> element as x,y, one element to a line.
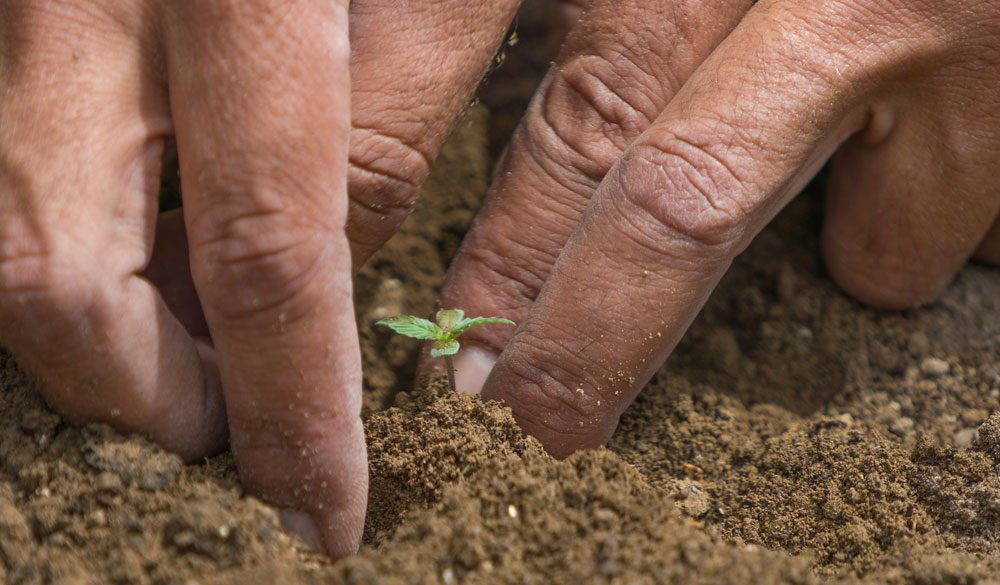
<point>669,133</point>
<point>256,342</point>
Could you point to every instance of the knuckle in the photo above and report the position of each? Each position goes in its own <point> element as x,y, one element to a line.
<point>516,281</point>
<point>25,262</point>
<point>256,262</point>
<point>387,163</point>
<point>385,174</point>
<point>675,187</point>
<point>37,273</point>
<point>589,115</point>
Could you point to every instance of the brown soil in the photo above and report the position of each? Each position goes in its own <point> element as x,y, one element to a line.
<point>794,437</point>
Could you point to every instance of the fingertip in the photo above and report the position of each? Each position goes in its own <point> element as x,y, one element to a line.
<point>472,367</point>
<point>881,286</point>
<point>316,477</point>
<point>554,399</point>
<point>301,524</point>
<point>340,518</point>
<point>337,533</point>
<point>340,531</point>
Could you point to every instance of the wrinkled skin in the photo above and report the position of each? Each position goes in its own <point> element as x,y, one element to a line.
<point>669,133</point>
<point>255,343</point>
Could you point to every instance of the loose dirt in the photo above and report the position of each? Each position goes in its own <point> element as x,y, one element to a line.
<point>793,437</point>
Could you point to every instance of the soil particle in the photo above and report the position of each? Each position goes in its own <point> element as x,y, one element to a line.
<point>521,517</point>
<point>415,452</point>
<point>793,437</point>
<point>934,367</point>
<point>859,463</point>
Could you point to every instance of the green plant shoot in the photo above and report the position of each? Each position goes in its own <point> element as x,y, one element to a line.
<point>450,324</point>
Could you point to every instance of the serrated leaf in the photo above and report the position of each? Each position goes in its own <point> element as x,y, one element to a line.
<point>411,326</point>
<point>466,324</point>
<point>444,347</point>
<point>447,318</point>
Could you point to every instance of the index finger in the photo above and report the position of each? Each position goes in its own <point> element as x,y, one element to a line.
<point>260,95</point>
<point>744,134</point>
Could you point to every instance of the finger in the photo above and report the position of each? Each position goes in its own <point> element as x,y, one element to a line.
<point>746,132</point>
<point>169,270</point>
<point>260,95</point>
<point>83,120</point>
<point>989,248</point>
<point>620,66</point>
<point>399,122</point>
<point>906,210</point>
<point>414,66</point>
<point>565,15</point>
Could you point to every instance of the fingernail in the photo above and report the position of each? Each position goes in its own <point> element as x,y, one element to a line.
<point>301,524</point>
<point>472,366</point>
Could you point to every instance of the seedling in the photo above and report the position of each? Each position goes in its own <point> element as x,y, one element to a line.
<point>450,324</point>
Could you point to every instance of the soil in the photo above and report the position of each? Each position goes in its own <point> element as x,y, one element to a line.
<point>794,437</point>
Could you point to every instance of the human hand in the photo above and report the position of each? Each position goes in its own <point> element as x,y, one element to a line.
<point>257,95</point>
<point>669,133</point>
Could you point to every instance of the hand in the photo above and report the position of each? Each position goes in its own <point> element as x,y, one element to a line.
<point>258,97</point>
<point>669,133</point>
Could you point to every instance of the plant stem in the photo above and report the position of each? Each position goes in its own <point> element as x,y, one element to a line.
<point>451,372</point>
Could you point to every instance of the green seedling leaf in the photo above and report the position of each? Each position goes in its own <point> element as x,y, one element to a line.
<point>450,324</point>
<point>447,318</point>
<point>444,347</point>
<point>414,327</point>
<point>466,324</point>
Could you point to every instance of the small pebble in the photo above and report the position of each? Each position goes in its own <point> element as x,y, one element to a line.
<point>965,437</point>
<point>184,539</point>
<point>108,481</point>
<point>692,499</point>
<point>902,425</point>
<point>97,518</point>
<point>604,515</point>
<point>934,367</point>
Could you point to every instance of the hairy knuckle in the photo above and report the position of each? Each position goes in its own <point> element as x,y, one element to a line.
<point>674,187</point>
